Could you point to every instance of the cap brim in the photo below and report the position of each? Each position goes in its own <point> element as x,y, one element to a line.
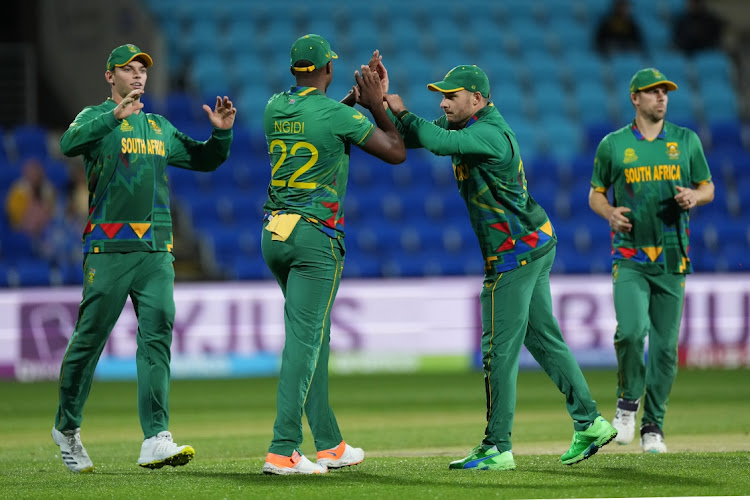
<point>443,87</point>
<point>334,55</point>
<point>671,86</point>
<point>142,55</point>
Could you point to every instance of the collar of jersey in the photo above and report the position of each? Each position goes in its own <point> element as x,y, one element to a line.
<point>305,91</point>
<point>639,136</point>
<point>479,114</point>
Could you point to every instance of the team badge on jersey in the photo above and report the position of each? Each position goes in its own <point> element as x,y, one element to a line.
<point>90,276</point>
<point>630,156</point>
<point>126,127</point>
<point>673,151</point>
<point>155,126</point>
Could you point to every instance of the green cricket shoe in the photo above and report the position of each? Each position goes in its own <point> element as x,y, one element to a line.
<point>490,459</point>
<point>586,443</point>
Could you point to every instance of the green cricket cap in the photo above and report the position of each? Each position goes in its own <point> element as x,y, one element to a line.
<point>123,54</point>
<point>313,48</point>
<point>466,77</point>
<point>650,77</point>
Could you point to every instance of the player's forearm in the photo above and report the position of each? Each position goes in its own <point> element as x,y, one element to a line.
<point>201,156</point>
<point>600,204</point>
<point>83,133</point>
<point>385,124</point>
<point>704,193</point>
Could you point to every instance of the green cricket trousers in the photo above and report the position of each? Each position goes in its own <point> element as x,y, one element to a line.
<point>108,280</point>
<point>647,304</point>
<point>517,309</point>
<point>307,266</point>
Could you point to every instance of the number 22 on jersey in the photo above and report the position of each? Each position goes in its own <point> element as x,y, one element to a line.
<point>293,182</point>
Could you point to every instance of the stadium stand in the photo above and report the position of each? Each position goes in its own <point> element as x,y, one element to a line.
<point>558,94</point>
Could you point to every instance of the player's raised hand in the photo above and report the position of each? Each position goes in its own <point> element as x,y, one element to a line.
<point>376,64</point>
<point>370,93</point>
<point>129,104</point>
<point>395,102</point>
<point>222,116</point>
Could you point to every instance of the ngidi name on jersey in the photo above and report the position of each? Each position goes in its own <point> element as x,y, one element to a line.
<point>644,175</point>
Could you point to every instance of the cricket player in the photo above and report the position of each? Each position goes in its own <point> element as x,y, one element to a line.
<point>127,247</point>
<point>309,139</point>
<point>658,172</point>
<point>518,246</point>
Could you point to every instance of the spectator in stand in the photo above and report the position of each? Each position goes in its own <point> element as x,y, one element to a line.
<point>31,201</point>
<point>697,28</point>
<point>61,242</point>
<point>617,31</point>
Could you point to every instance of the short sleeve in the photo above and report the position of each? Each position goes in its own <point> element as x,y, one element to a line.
<point>352,125</point>
<point>699,171</point>
<point>601,178</point>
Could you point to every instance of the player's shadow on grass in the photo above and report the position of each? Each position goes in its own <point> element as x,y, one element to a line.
<point>518,479</point>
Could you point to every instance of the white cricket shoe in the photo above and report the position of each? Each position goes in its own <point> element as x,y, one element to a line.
<point>296,464</point>
<point>652,439</point>
<point>624,420</point>
<point>73,453</point>
<point>160,450</point>
<point>341,456</point>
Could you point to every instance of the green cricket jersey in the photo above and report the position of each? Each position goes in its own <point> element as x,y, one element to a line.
<point>512,228</point>
<point>309,141</point>
<point>126,167</point>
<point>644,175</point>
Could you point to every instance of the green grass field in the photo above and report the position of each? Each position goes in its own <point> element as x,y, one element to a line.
<point>410,426</point>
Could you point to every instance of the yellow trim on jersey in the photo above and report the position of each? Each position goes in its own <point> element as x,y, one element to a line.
<point>599,189</point>
<point>307,91</point>
<point>366,134</point>
<point>489,361</point>
<point>336,279</point>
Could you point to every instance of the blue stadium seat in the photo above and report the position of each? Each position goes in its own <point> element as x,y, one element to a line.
<point>33,272</point>
<point>551,100</point>
<point>674,65</point>
<point>544,67</point>
<point>29,140</point>
<point>623,66</point>
<point>202,34</point>
<point>726,135</point>
<point>72,274</point>
<point>586,62</point>
<point>210,77</point>
<point>532,37</point>
<point>657,34</point>
<point>681,107</point>
<point>511,101</point>
<point>57,173</point>
<point>206,211</point>
<point>530,138</point>
<point>15,246</point>
<point>595,130</point>
<point>715,63</point>
<point>358,265</point>
<point>563,136</point>
<point>719,101</point>
<point>733,258</point>
<point>248,268</point>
